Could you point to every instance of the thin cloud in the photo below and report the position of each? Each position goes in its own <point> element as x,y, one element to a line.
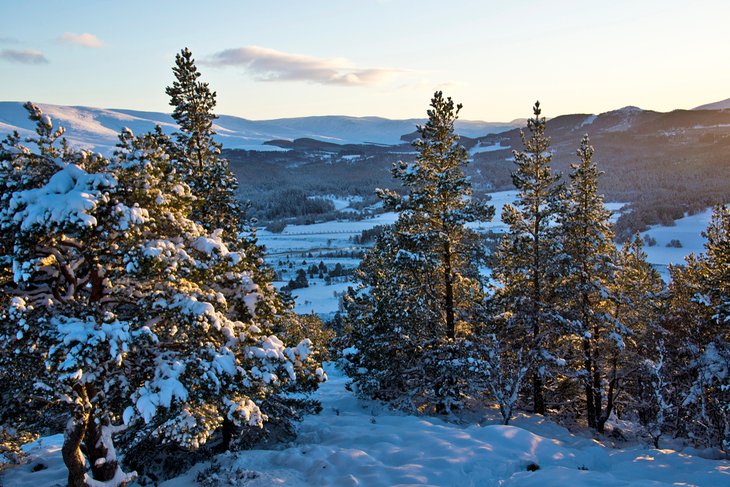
<point>450,85</point>
<point>85,40</point>
<point>271,65</point>
<point>25,56</point>
<point>427,84</point>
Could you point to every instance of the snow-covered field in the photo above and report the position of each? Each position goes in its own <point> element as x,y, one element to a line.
<point>687,230</point>
<point>355,442</point>
<point>299,241</point>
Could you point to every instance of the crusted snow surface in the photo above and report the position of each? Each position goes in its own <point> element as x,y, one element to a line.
<point>354,442</point>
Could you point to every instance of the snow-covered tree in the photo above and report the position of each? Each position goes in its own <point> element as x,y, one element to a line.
<point>716,268</point>
<point>593,338</point>
<point>636,357</point>
<point>526,266</point>
<point>137,316</point>
<point>502,363</point>
<point>433,216</point>
<point>196,154</point>
<point>658,409</point>
<point>420,283</point>
<point>701,305</point>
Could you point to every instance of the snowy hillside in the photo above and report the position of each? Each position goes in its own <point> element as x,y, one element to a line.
<point>355,442</point>
<point>98,128</point>
<point>718,105</point>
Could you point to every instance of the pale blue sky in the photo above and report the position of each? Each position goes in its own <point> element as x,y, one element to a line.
<point>293,58</point>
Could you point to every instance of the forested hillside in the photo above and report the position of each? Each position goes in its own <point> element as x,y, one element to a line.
<point>664,164</point>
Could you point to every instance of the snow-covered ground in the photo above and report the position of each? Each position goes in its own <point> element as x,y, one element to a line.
<point>687,230</point>
<point>299,241</point>
<point>319,297</point>
<point>355,442</point>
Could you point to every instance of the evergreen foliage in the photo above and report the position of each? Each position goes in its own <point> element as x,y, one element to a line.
<point>420,285</point>
<point>121,308</point>
<point>638,356</point>
<point>526,264</point>
<point>593,338</point>
<point>699,315</point>
<point>197,156</point>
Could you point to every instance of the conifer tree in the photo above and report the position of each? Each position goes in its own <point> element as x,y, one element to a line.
<point>716,268</point>
<point>125,310</point>
<point>588,252</point>
<point>637,358</point>
<point>433,215</point>
<point>525,263</point>
<point>701,301</point>
<point>421,279</point>
<point>197,155</point>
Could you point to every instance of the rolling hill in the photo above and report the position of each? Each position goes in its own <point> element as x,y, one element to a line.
<point>97,128</point>
<point>664,164</point>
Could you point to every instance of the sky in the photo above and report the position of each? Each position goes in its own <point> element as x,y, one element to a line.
<point>276,58</point>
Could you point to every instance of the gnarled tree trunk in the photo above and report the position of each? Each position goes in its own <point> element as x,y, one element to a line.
<point>74,437</point>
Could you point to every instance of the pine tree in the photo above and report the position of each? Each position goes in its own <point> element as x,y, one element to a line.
<point>525,264</point>
<point>197,155</point>
<point>717,267</point>
<point>422,275</point>
<point>637,356</point>
<point>56,318</point>
<point>389,319</point>
<point>588,252</point>
<point>701,301</point>
<point>433,215</point>
<point>126,311</point>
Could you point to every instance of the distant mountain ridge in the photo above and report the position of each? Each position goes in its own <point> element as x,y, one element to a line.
<point>98,128</point>
<point>718,105</point>
<point>665,164</point>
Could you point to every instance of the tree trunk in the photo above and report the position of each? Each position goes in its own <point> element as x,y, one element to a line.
<point>588,366</point>
<point>613,387</point>
<point>598,398</point>
<point>538,397</point>
<point>97,283</point>
<point>102,467</point>
<point>448,281</point>
<point>73,439</point>
<point>538,400</point>
<point>228,428</point>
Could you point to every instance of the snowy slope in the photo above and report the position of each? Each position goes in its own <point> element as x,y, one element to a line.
<point>356,442</point>
<point>718,105</point>
<point>687,230</point>
<point>98,128</point>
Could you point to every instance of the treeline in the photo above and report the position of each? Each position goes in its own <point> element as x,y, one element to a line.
<point>136,311</point>
<point>289,203</point>
<point>569,325</point>
<point>320,271</point>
